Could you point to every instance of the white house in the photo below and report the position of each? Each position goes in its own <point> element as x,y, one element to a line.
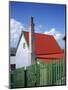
<point>23,55</point>
<point>33,45</point>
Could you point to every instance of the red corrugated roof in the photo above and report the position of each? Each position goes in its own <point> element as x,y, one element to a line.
<point>45,46</point>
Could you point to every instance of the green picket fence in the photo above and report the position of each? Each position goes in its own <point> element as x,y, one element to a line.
<point>52,73</point>
<point>40,74</point>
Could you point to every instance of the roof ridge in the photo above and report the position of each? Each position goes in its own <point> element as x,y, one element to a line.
<point>39,33</point>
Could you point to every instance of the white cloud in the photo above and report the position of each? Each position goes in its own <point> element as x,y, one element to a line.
<point>51,32</point>
<point>57,35</point>
<point>15,31</point>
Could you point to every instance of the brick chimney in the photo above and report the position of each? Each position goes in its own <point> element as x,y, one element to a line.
<point>31,41</point>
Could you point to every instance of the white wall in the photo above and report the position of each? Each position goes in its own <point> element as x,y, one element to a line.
<point>22,55</point>
<point>12,59</point>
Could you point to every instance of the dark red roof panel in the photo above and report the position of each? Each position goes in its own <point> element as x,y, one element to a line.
<point>51,56</point>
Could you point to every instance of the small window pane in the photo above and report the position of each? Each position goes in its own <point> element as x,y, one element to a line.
<point>24,45</point>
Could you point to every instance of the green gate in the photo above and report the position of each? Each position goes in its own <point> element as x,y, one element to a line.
<point>52,73</point>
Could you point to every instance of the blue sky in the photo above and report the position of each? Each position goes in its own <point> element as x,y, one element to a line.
<point>48,18</point>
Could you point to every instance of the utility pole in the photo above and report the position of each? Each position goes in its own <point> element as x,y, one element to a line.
<point>31,49</point>
<point>31,41</point>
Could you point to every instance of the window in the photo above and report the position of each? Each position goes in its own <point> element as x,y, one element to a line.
<point>12,66</point>
<point>24,45</point>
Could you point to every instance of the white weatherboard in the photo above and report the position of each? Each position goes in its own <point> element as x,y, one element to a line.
<point>21,59</point>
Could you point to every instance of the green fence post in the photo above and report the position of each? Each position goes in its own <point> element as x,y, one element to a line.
<point>25,78</point>
<point>36,71</point>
